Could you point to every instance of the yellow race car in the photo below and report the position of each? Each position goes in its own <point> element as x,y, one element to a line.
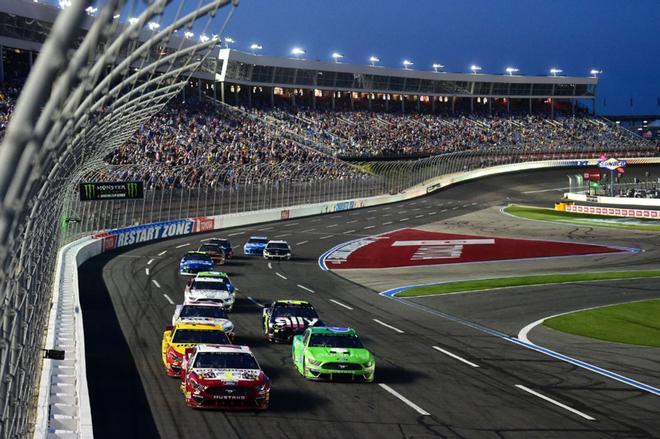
<point>183,335</point>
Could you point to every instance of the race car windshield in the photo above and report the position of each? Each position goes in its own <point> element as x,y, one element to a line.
<point>257,241</point>
<point>295,311</point>
<point>210,248</point>
<point>334,341</point>
<point>197,258</point>
<point>222,242</point>
<point>214,312</point>
<point>200,336</point>
<point>277,247</point>
<point>225,360</point>
<point>217,286</point>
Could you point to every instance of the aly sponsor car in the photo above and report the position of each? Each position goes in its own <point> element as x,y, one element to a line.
<point>215,289</point>
<point>285,318</point>
<point>178,338</point>
<point>277,250</point>
<point>225,244</point>
<point>194,262</point>
<point>206,313</point>
<point>216,252</point>
<point>255,245</point>
<point>224,377</point>
<point>331,353</point>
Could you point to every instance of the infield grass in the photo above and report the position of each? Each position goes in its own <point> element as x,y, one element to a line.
<point>581,219</point>
<point>487,284</point>
<point>632,323</point>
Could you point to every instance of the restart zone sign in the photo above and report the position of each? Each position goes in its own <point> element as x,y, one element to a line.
<point>120,190</point>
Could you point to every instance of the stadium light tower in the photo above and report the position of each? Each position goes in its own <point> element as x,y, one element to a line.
<point>373,60</point>
<point>555,72</point>
<point>512,70</point>
<point>594,73</point>
<point>407,63</point>
<point>254,47</point>
<point>228,41</point>
<point>437,66</point>
<point>152,25</point>
<point>297,52</point>
<point>337,56</point>
<point>475,69</point>
<point>203,38</point>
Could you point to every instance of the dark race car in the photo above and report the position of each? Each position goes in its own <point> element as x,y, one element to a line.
<point>216,252</point>
<point>226,246</point>
<point>285,318</point>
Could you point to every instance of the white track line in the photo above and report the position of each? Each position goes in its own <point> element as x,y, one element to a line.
<point>388,326</point>
<point>146,270</point>
<point>305,288</point>
<point>351,221</point>
<point>349,231</point>
<point>162,253</point>
<point>368,227</point>
<point>279,275</point>
<point>444,210</point>
<point>155,282</point>
<point>255,302</point>
<point>270,265</point>
<point>265,229</point>
<point>308,230</point>
<point>372,210</point>
<point>340,304</point>
<point>555,402</point>
<point>183,245</point>
<point>469,363</point>
<point>150,261</point>
<point>387,223</point>
<point>237,233</point>
<point>419,216</point>
<point>433,213</point>
<point>326,237</point>
<point>301,242</point>
<point>290,224</point>
<point>405,400</point>
<point>168,299</point>
<point>282,235</point>
<point>331,226</point>
<point>206,239</point>
<point>404,219</point>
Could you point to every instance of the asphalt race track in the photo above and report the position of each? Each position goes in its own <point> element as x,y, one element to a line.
<point>489,388</point>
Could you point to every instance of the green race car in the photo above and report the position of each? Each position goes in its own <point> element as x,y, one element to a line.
<point>323,352</point>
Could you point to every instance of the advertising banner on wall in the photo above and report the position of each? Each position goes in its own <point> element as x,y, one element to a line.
<point>118,190</point>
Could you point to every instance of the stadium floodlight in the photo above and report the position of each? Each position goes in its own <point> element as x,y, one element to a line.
<point>152,25</point>
<point>555,72</point>
<point>337,56</point>
<point>64,4</point>
<point>373,60</point>
<point>254,47</point>
<point>91,10</point>
<point>512,70</point>
<point>297,52</point>
<point>475,68</point>
<point>203,38</point>
<point>595,72</point>
<point>228,41</point>
<point>133,20</point>
<point>407,63</point>
<point>437,66</point>
<point>116,16</point>
<point>188,35</point>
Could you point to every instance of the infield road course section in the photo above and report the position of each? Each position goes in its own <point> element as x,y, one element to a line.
<point>125,311</point>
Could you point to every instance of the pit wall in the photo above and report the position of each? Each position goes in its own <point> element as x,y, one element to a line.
<point>63,403</point>
<point>617,201</point>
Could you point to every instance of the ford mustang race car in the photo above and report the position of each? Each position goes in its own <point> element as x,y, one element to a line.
<point>177,338</point>
<point>224,377</point>
<point>207,313</point>
<point>330,353</point>
<point>277,250</point>
<point>194,262</point>
<point>216,289</point>
<point>216,252</point>
<point>226,246</point>
<point>285,318</point>
<point>255,245</point>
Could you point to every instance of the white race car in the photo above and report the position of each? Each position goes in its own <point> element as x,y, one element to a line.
<point>205,313</point>
<point>209,289</point>
<point>277,250</point>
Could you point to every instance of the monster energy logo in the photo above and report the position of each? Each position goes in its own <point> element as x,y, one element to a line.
<point>89,190</point>
<point>111,191</point>
<point>131,190</point>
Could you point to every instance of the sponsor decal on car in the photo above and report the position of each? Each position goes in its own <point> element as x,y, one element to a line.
<point>295,322</point>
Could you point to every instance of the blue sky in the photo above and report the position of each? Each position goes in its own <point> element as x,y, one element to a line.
<point>620,37</point>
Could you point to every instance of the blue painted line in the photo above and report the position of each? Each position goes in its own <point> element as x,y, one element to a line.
<point>540,349</point>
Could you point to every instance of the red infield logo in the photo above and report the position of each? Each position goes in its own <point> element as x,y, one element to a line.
<point>409,247</point>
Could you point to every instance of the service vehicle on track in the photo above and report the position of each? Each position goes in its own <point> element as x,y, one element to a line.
<point>216,252</point>
<point>277,250</point>
<point>283,319</point>
<point>225,244</point>
<point>177,338</point>
<point>206,313</point>
<point>332,353</point>
<point>215,289</point>
<point>255,246</point>
<point>224,377</point>
<point>194,262</point>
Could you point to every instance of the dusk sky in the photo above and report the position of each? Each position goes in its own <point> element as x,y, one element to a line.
<point>620,37</point>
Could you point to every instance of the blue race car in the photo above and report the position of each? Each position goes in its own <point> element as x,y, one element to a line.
<point>255,246</point>
<point>194,262</point>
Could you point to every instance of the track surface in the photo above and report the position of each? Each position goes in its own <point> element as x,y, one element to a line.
<point>125,311</point>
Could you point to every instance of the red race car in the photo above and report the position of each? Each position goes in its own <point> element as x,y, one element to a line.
<point>223,377</point>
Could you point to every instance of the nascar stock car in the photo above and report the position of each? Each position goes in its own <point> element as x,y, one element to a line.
<point>331,353</point>
<point>277,250</point>
<point>207,313</point>
<point>223,377</point>
<point>177,338</point>
<point>216,252</point>
<point>225,244</point>
<point>216,288</point>
<point>285,318</point>
<point>194,262</point>
<point>255,245</point>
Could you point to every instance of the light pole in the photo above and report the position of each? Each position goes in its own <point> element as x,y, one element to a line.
<point>594,73</point>
<point>373,60</point>
<point>337,56</point>
<point>475,69</point>
<point>555,72</point>
<point>437,66</point>
<point>511,70</point>
<point>254,47</point>
<point>297,52</point>
<point>407,63</point>
<point>228,41</point>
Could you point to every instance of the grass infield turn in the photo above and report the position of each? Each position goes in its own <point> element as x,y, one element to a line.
<point>632,323</point>
<point>581,219</point>
<point>487,284</point>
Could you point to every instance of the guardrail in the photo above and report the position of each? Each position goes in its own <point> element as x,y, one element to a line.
<point>63,400</point>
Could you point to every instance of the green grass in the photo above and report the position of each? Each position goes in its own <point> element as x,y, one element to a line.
<point>487,284</point>
<point>632,323</point>
<point>581,219</point>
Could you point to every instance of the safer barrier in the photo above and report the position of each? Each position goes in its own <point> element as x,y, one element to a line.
<point>64,409</point>
<point>614,211</point>
<point>620,201</point>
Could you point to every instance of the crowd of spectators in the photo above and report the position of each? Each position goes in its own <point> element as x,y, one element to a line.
<point>8,96</point>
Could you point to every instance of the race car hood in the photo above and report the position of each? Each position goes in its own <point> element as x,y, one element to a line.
<point>277,251</point>
<point>226,324</point>
<point>211,294</point>
<point>340,355</point>
<point>228,376</point>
